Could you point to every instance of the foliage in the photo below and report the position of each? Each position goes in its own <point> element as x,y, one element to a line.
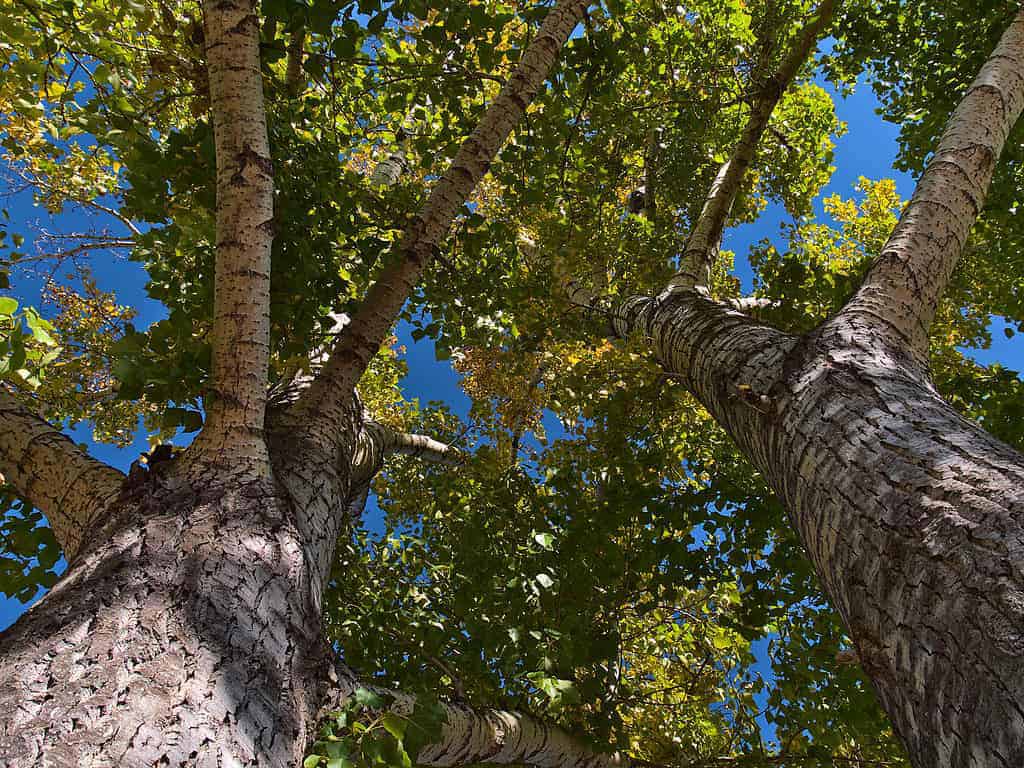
<point>604,558</point>
<point>371,731</point>
<point>28,550</point>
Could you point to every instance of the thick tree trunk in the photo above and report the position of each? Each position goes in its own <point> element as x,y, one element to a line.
<point>183,634</point>
<point>911,514</point>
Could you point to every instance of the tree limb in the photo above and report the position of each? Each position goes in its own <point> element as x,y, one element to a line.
<point>245,213</point>
<point>748,303</point>
<point>66,484</point>
<point>903,288</point>
<point>293,75</point>
<point>362,338</point>
<point>494,736</point>
<point>706,234</point>
<point>378,441</point>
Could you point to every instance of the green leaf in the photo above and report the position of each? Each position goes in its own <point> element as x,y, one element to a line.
<point>394,724</point>
<point>368,699</point>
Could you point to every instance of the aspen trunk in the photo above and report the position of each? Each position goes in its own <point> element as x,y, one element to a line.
<point>911,513</point>
<point>183,634</point>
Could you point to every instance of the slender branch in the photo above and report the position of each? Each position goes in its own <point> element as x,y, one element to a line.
<point>66,484</point>
<point>485,735</point>
<point>706,234</point>
<point>378,441</point>
<point>293,75</point>
<point>361,339</point>
<point>245,213</point>
<point>903,288</point>
<point>33,180</point>
<point>651,172</point>
<point>748,303</point>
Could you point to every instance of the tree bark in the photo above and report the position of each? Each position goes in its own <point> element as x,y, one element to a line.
<point>472,736</point>
<point>702,244</point>
<point>233,436</point>
<point>361,339</point>
<point>912,515</point>
<point>377,441</point>
<point>63,481</point>
<point>183,634</point>
<point>903,288</point>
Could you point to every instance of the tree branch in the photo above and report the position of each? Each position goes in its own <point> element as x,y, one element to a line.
<point>361,339</point>
<point>903,288</point>
<point>67,485</point>
<point>245,213</point>
<point>293,75</point>
<point>702,245</point>
<point>494,736</point>
<point>748,303</point>
<point>378,441</point>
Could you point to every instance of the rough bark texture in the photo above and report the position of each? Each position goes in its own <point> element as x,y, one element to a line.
<point>63,482</point>
<point>362,337</point>
<point>245,214</point>
<point>912,515</point>
<point>702,245</point>
<point>490,736</point>
<point>183,635</point>
<point>186,631</point>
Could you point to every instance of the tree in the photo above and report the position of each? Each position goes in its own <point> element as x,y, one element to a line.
<point>188,628</point>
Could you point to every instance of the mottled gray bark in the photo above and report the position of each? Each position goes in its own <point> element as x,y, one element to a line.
<point>912,515</point>
<point>183,634</point>
<point>186,631</point>
<point>361,339</point>
<point>903,288</point>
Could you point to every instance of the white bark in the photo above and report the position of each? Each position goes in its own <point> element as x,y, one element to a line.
<point>62,481</point>
<point>750,303</point>
<point>233,435</point>
<point>706,234</point>
<point>377,441</point>
<point>362,337</point>
<point>903,288</point>
<point>473,736</point>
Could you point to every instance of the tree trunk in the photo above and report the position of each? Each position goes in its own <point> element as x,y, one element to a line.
<point>911,514</point>
<point>183,634</point>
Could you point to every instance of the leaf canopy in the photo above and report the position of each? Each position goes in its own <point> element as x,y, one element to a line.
<point>605,557</point>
